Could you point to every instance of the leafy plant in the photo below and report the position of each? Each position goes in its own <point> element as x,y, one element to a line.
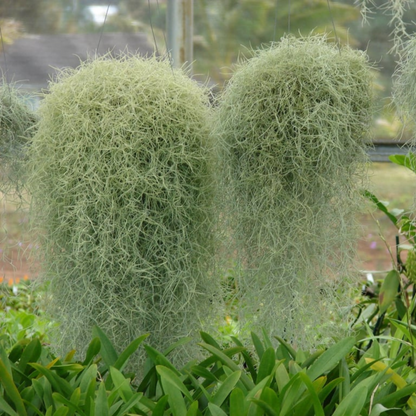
<point>293,124</point>
<point>233,381</point>
<point>122,196</point>
<point>20,315</point>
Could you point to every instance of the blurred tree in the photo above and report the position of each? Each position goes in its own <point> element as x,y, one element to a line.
<point>40,16</point>
<point>223,26</point>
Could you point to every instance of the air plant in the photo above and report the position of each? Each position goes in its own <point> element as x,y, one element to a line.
<point>122,196</point>
<point>293,124</point>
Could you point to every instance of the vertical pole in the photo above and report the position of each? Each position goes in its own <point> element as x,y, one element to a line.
<point>180,31</point>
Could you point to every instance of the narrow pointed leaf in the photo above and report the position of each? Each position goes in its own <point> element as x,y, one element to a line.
<point>169,376</point>
<point>11,389</point>
<point>108,352</point>
<point>266,364</point>
<point>215,410</point>
<point>237,407</point>
<point>101,404</point>
<point>125,355</point>
<point>160,407</point>
<point>230,363</point>
<point>330,358</point>
<point>226,388</point>
<point>353,403</point>
<point>93,349</point>
<point>389,290</point>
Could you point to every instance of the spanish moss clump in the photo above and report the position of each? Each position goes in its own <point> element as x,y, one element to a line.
<point>16,126</point>
<point>122,195</point>
<point>404,84</point>
<point>293,122</point>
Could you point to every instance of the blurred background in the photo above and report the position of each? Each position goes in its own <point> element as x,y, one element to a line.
<point>40,37</point>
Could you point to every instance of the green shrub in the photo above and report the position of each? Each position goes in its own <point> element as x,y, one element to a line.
<point>16,126</point>
<point>122,197</point>
<point>293,125</point>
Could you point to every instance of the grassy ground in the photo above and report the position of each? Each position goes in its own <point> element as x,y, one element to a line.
<point>389,182</point>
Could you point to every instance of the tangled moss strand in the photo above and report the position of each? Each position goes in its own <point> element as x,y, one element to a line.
<point>293,123</point>
<point>123,198</point>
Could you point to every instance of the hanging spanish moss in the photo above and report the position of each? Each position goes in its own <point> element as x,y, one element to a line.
<point>16,127</point>
<point>293,122</point>
<point>404,85</point>
<point>123,199</point>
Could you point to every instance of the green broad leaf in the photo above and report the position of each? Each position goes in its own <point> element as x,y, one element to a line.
<point>101,404</point>
<point>93,350</point>
<point>319,411</point>
<point>393,398</point>
<point>199,389</point>
<point>5,360</point>
<point>330,358</point>
<point>408,161</point>
<point>7,381</point>
<point>131,349</point>
<point>288,347</point>
<point>389,290</point>
<point>237,400</point>
<point>90,397</point>
<point>30,354</point>
<point>326,391</point>
<point>89,374</point>
<point>267,364</point>
<point>215,410</point>
<point>193,409</point>
<point>344,372</point>
<point>293,391</point>
<point>282,377</point>
<point>383,208</point>
<point>230,363</point>
<point>269,402</point>
<point>353,403</point>
<point>62,411</point>
<point>258,345</point>
<point>171,377</point>
<point>108,353</point>
<point>5,407</point>
<point>59,384</point>
<point>121,384</point>
<point>226,388</point>
<point>159,359</point>
<point>49,412</point>
<point>160,407</point>
<point>265,407</point>
<point>175,398</point>
<point>266,339</point>
<point>257,390</point>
